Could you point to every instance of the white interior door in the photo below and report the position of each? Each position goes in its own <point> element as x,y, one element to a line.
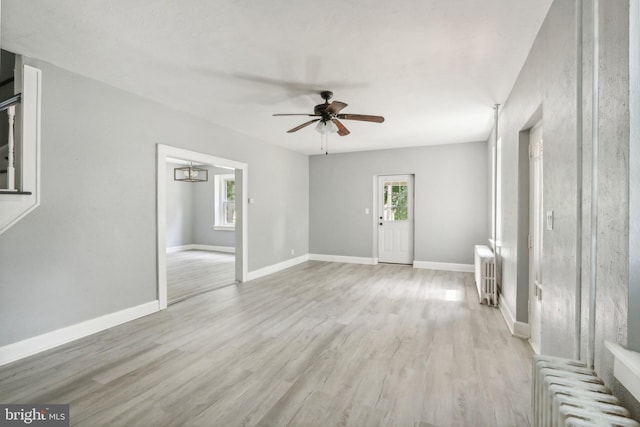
<point>536,224</point>
<point>395,219</point>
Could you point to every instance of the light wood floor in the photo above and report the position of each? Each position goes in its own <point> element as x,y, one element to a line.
<point>193,272</point>
<point>321,344</point>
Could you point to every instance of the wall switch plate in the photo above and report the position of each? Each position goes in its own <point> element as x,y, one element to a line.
<point>251,200</point>
<point>549,220</point>
<point>366,211</point>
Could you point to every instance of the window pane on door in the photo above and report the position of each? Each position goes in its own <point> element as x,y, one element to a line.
<point>396,201</point>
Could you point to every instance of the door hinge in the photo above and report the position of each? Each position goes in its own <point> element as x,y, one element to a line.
<point>537,290</point>
<point>536,149</point>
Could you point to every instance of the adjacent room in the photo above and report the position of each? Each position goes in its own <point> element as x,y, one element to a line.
<point>200,230</point>
<point>414,213</point>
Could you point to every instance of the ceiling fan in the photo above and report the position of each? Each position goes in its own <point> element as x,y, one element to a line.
<point>329,113</point>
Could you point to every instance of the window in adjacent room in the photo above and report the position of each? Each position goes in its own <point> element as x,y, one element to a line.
<point>225,201</point>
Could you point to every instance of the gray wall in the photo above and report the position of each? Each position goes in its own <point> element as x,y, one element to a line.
<point>90,248</point>
<point>450,199</point>
<point>548,79</point>
<point>179,210</point>
<point>190,211</point>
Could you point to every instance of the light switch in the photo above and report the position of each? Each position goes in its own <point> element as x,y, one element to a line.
<point>251,200</point>
<point>366,211</point>
<point>549,220</point>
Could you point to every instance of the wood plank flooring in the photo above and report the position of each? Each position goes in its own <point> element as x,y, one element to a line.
<point>320,344</point>
<point>193,272</point>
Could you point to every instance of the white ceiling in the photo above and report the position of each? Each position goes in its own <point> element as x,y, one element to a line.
<point>433,68</point>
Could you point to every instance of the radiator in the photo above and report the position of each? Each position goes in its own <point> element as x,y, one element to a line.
<point>567,393</point>
<point>485,269</point>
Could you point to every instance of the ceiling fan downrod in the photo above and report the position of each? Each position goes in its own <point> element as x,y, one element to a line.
<point>326,95</point>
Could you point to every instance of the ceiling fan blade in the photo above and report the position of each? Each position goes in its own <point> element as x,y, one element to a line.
<point>342,130</point>
<point>335,107</point>
<point>298,114</point>
<point>361,117</point>
<point>304,125</point>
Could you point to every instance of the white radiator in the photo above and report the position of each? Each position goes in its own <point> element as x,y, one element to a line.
<point>485,268</point>
<point>567,393</point>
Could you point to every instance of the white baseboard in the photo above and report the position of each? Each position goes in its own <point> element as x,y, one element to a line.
<point>447,266</point>
<point>228,249</point>
<point>517,329</point>
<point>343,259</point>
<point>506,315</point>
<point>173,249</point>
<point>521,330</point>
<point>265,271</point>
<point>12,352</point>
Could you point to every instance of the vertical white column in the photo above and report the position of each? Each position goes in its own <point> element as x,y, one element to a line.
<point>577,338</point>
<point>593,284</point>
<point>11,170</point>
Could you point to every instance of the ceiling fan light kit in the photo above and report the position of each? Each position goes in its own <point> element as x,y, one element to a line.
<point>326,127</point>
<point>329,118</point>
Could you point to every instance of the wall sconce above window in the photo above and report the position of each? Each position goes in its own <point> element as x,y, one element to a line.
<point>191,174</point>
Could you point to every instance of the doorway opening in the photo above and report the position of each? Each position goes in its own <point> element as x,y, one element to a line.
<point>200,230</point>
<point>395,225</point>
<point>201,226</point>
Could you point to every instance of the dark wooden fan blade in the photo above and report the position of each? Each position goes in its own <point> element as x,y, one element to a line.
<point>298,114</point>
<point>342,130</point>
<point>335,107</point>
<point>302,125</point>
<point>361,117</point>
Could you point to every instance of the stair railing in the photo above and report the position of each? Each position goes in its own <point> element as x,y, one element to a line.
<point>9,105</point>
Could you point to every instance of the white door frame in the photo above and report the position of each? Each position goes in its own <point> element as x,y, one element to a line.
<point>163,152</point>
<point>378,212</point>
<point>536,233</point>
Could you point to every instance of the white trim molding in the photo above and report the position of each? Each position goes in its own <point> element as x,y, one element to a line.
<point>446,266</point>
<point>12,352</point>
<point>522,330</point>
<point>223,228</point>
<point>227,249</point>
<point>343,259</point>
<point>626,367</point>
<point>517,329</point>
<point>265,271</point>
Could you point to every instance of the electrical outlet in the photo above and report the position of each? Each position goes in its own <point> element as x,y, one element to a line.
<point>549,220</point>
